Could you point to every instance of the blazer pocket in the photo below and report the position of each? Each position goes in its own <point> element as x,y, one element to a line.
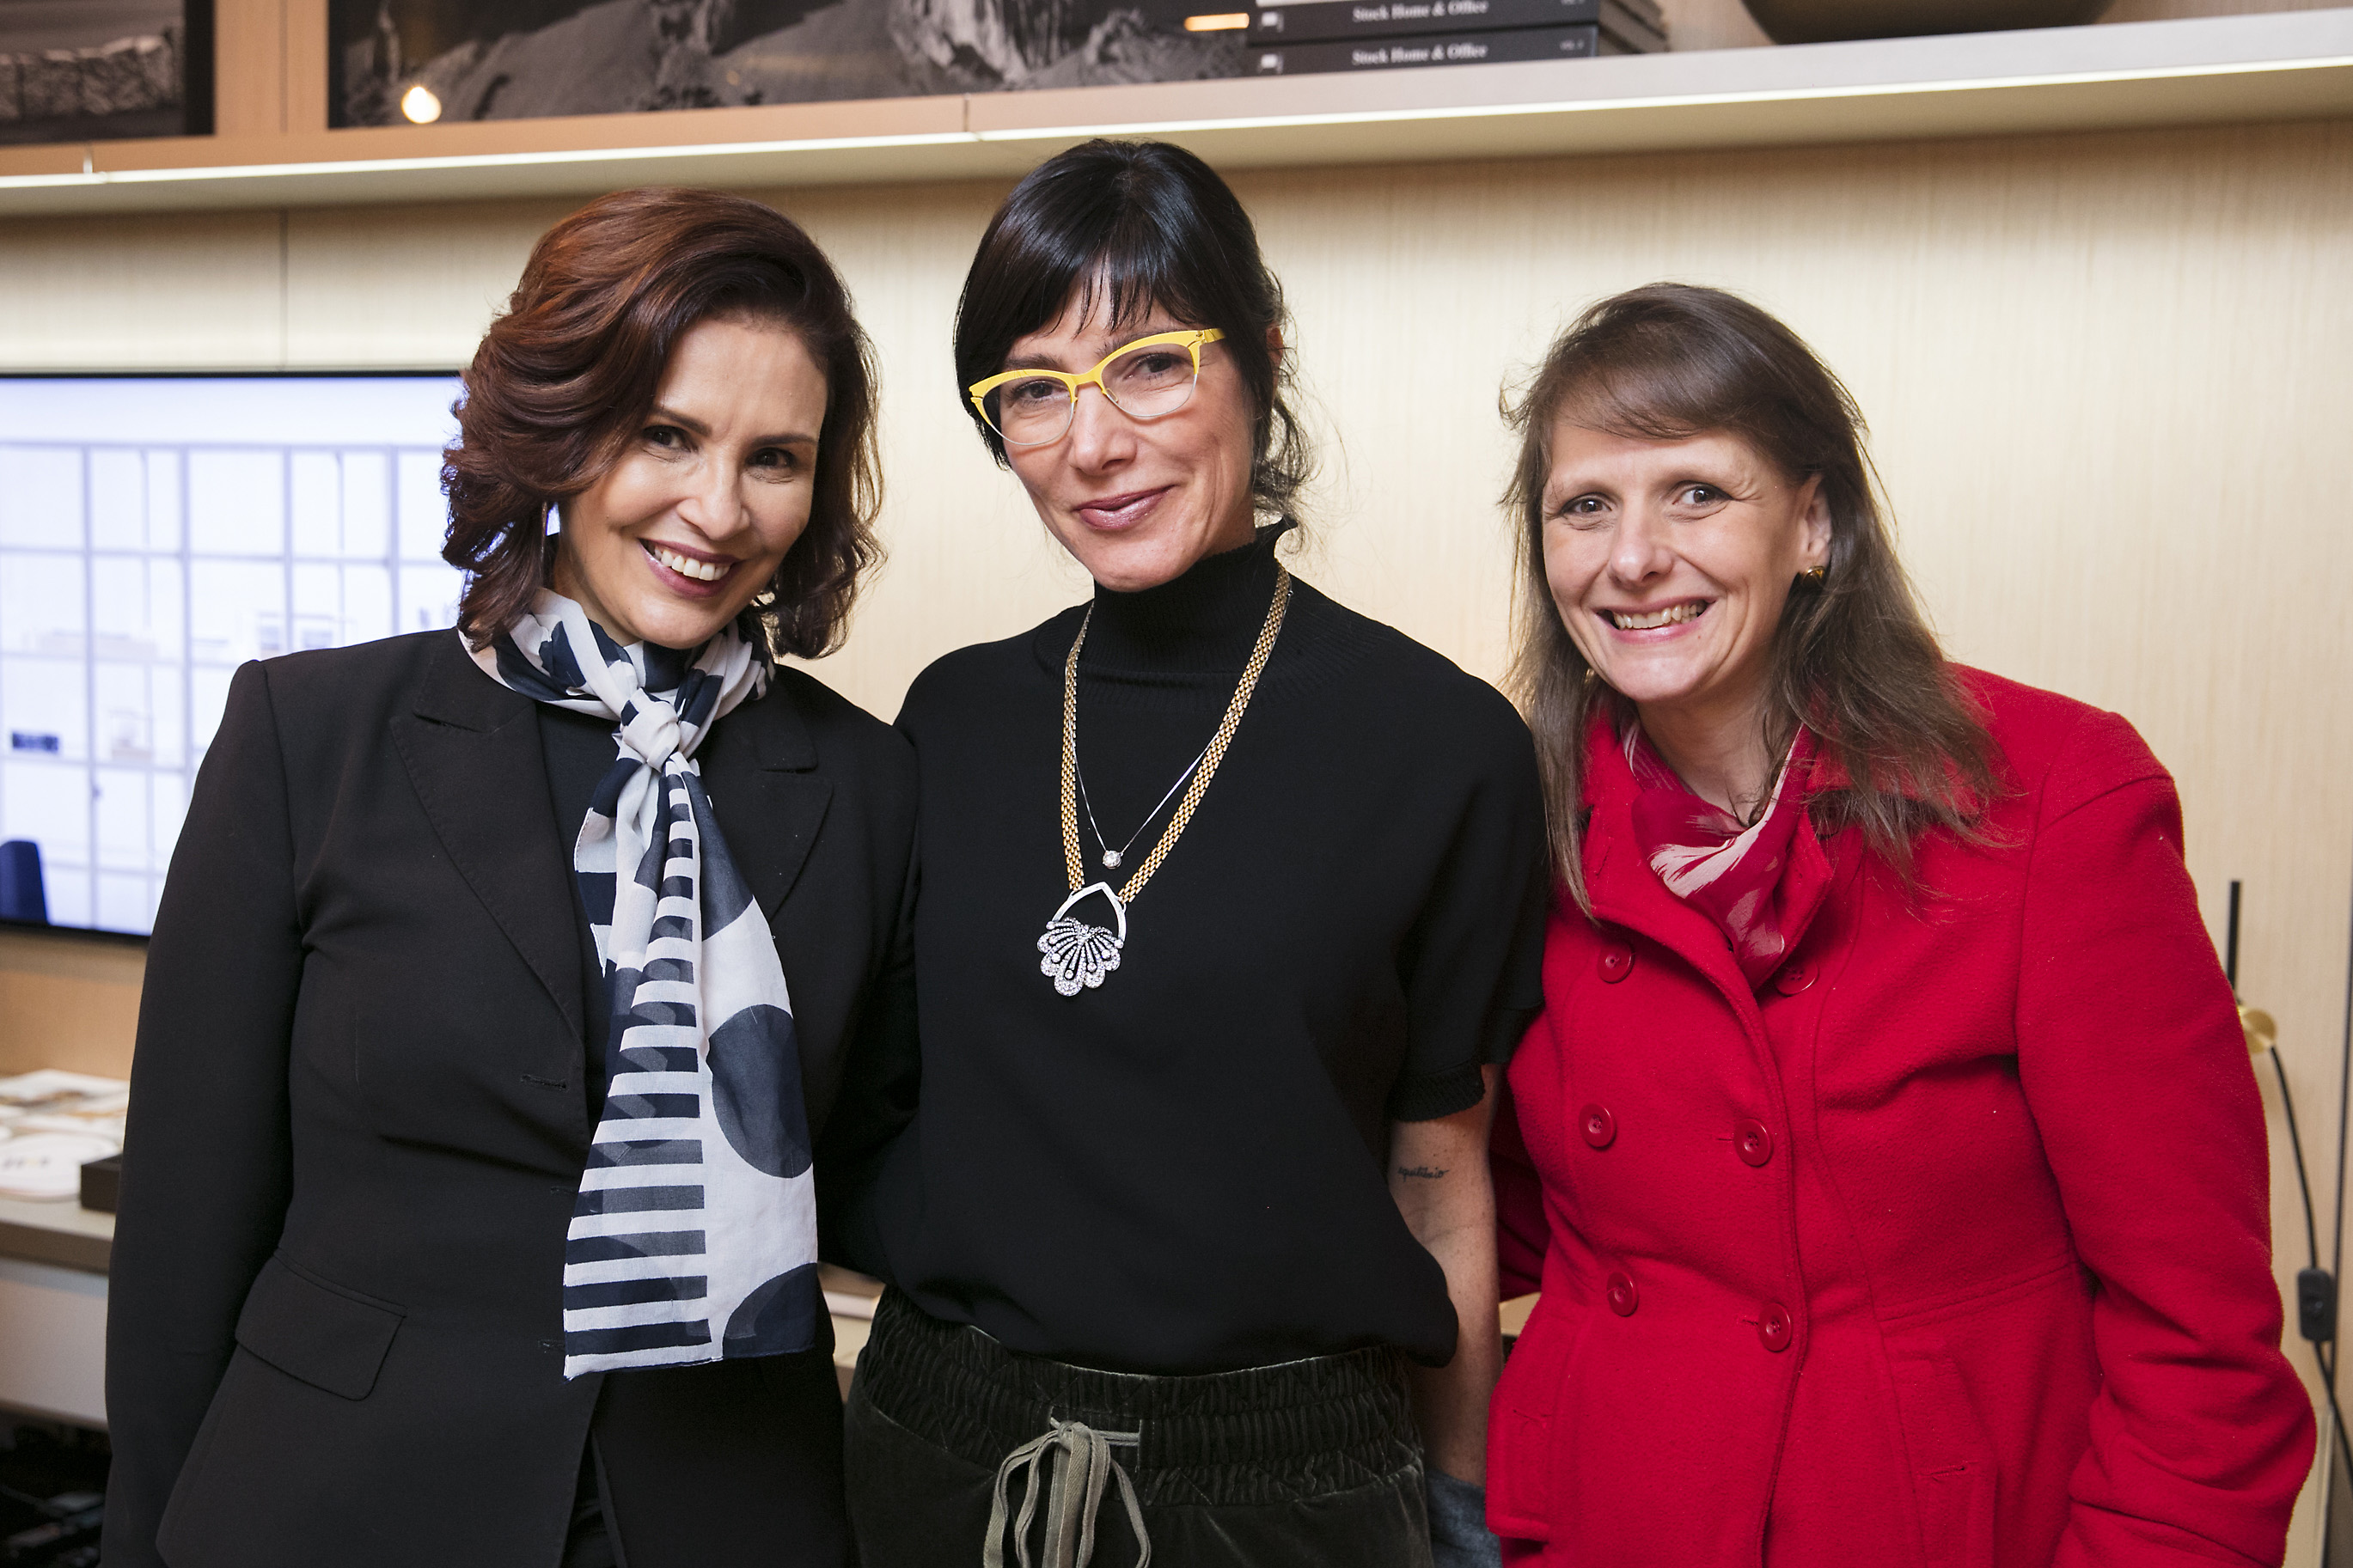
<point>329,1337</point>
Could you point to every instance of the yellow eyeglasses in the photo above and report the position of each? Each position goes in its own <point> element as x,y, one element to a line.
<point>1144,380</point>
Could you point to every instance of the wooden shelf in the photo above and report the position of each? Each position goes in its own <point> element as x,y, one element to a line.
<point>61,1233</point>
<point>2285,66</point>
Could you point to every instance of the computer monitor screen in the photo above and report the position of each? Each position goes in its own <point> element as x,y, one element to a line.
<point>156,533</point>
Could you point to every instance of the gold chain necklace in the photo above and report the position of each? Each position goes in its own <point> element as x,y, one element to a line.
<point>1078,955</point>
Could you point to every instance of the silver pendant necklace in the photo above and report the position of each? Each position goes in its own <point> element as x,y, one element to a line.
<point>1077,954</point>
<point>1111,856</point>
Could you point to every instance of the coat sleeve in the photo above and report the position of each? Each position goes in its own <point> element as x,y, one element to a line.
<point>207,1151</point>
<point>1473,962</point>
<point>2131,1057</point>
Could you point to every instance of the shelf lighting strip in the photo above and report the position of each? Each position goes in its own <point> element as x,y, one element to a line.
<point>1729,97</point>
<point>95,176</point>
<point>91,176</point>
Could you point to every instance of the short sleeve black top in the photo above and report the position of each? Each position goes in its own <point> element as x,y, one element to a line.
<point>1183,1171</point>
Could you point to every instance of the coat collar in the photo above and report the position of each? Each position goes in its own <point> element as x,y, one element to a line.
<point>1625,890</point>
<point>472,750</point>
<point>1831,774</point>
<point>760,767</point>
<point>454,691</point>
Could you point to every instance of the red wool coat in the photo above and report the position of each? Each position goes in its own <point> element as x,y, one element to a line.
<point>1947,1244</point>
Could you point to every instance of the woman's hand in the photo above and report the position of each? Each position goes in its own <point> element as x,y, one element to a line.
<point>1438,1174</point>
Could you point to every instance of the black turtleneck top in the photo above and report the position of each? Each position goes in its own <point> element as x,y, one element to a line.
<point>1183,1171</point>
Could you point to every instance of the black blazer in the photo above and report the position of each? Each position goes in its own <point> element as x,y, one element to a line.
<point>358,1118</point>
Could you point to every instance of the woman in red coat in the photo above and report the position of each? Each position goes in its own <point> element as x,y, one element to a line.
<point>1886,1156</point>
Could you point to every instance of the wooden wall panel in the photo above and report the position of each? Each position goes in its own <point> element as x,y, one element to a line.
<point>2104,373</point>
<point>250,64</point>
<point>406,287</point>
<point>305,65</point>
<point>157,292</point>
<point>67,1003</point>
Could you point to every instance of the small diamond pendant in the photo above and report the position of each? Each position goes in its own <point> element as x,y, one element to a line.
<point>1111,859</point>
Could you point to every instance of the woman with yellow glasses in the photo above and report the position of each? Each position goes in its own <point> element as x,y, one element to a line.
<point>1232,909</point>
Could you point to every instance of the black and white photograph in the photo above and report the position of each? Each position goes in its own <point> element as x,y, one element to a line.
<point>89,70</point>
<point>418,61</point>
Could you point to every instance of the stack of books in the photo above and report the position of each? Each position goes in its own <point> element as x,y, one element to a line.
<point>1286,38</point>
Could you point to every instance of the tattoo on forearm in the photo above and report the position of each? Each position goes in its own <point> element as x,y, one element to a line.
<point>1420,1173</point>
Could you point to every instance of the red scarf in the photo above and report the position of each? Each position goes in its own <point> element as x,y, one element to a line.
<point>1730,873</point>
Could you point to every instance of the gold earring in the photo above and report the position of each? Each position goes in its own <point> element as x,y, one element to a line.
<point>1816,573</point>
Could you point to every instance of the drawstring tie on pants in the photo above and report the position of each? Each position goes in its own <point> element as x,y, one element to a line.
<point>1071,1503</point>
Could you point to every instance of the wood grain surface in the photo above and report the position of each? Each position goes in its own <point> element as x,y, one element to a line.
<point>67,1002</point>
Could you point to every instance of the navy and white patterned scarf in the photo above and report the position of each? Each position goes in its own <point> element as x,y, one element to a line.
<point>694,1236</point>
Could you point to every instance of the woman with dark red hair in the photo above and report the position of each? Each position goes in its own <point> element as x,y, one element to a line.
<point>1887,1156</point>
<point>501,993</point>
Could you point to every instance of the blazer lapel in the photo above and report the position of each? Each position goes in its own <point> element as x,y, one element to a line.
<point>761,772</point>
<point>472,751</point>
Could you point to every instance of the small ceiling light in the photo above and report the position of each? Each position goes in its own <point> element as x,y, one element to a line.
<point>419,104</point>
<point>1230,22</point>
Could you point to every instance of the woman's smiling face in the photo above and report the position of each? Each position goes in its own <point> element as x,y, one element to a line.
<point>1670,562</point>
<point>690,522</point>
<point>1138,501</point>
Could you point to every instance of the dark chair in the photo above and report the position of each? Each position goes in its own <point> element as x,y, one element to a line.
<point>23,896</point>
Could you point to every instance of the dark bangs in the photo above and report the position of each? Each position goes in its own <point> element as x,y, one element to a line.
<point>1128,227</point>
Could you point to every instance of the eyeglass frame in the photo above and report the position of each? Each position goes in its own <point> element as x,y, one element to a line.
<point>1193,339</point>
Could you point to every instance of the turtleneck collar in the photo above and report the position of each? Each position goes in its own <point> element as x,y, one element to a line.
<point>1207,619</point>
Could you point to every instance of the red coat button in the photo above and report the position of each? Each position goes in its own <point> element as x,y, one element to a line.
<point>1601,1128</point>
<point>1793,979</point>
<point>1754,1142</point>
<point>1617,962</point>
<point>1621,1295</point>
<point>1774,1328</point>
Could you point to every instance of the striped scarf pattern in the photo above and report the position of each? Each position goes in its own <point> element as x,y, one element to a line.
<point>694,1237</point>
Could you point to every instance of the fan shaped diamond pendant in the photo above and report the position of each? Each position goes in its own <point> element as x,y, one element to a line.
<point>1078,955</point>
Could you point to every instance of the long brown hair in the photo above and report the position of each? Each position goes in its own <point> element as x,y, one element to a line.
<point>569,369</point>
<point>1854,657</point>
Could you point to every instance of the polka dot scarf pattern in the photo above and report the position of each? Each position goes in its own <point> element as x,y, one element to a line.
<point>694,1235</point>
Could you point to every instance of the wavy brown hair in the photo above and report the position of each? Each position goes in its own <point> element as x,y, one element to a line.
<point>570,368</point>
<point>1854,657</point>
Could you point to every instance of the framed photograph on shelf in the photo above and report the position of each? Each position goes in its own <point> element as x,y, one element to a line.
<point>90,70</point>
<point>416,61</point>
